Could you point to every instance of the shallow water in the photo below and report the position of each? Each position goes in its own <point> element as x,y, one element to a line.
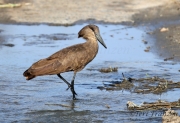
<point>45,99</point>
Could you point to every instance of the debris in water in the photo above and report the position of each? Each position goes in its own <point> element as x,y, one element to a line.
<point>145,42</point>
<point>159,105</point>
<point>131,105</point>
<point>107,70</point>
<point>9,45</point>
<point>147,85</point>
<point>150,33</point>
<point>166,59</point>
<point>147,49</point>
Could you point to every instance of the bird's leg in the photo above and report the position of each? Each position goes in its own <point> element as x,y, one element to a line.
<point>72,86</point>
<point>69,85</point>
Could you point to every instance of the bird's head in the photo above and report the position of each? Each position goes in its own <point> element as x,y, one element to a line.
<point>90,30</point>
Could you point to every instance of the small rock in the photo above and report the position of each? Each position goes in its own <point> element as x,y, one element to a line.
<point>146,50</point>
<point>27,4</point>
<point>164,29</point>
<point>145,42</point>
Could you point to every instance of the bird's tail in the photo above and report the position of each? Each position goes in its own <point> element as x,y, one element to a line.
<point>28,75</point>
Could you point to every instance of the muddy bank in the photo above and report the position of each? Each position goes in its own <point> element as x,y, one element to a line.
<point>167,43</point>
<point>169,11</point>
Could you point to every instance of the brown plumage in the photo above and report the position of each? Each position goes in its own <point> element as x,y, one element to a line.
<point>73,58</point>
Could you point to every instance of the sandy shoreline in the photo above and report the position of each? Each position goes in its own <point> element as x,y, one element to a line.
<point>67,12</point>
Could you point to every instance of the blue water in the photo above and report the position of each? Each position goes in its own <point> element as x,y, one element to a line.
<point>45,99</point>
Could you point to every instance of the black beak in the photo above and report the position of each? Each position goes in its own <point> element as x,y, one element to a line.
<point>99,38</point>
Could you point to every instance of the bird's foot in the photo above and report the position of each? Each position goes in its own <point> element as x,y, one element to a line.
<point>74,97</point>
<point>72,90</point>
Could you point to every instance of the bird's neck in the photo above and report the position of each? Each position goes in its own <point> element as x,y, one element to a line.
<point>93,44</point>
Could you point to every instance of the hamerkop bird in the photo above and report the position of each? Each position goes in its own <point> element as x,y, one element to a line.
<point>73,58</point>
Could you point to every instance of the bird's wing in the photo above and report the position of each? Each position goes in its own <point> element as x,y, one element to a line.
<point>62,61</point>
<point>45,67</point>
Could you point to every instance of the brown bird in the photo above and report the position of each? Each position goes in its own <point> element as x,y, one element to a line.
<point>73,58</point>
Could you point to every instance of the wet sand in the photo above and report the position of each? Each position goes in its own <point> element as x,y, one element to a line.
<point>167,44</point>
